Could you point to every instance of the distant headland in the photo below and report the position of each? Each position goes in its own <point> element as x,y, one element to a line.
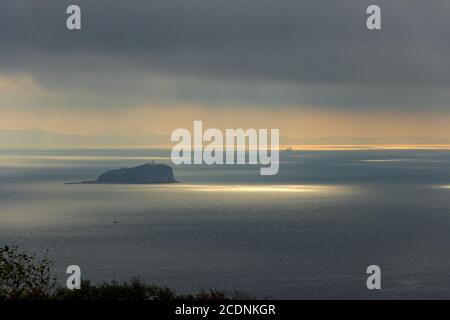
<point>143,174</point>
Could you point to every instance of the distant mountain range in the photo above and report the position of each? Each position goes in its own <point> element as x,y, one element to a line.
<point>341,140</point>
<point>42,138</point>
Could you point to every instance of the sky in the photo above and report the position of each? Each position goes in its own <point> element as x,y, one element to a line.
<point>310,68</point>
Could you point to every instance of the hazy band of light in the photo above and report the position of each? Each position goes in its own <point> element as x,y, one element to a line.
<point>245,188</point>
<point>371,147</point>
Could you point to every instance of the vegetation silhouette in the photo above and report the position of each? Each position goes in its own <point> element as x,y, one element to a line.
<point>28,277</point>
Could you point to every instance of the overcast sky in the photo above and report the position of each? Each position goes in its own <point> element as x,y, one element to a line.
<point>312,58</point>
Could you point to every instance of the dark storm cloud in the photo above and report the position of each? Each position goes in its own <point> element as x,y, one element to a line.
<point>317,52</point>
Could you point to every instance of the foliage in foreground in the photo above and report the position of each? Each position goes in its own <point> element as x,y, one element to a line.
<point>24,276</point>
<point>28,277</point>
<point>136,290</point>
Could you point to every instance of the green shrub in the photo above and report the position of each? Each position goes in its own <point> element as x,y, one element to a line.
<point>27,277</point>
<point>24,276</point>
<point>136,290</point>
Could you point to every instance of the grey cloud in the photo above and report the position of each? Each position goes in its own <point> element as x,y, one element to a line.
<point>314,52</point>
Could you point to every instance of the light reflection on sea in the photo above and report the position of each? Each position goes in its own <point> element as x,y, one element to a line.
<point>308,232</point>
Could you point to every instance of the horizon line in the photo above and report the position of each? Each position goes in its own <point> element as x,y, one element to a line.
<point>283,148</point>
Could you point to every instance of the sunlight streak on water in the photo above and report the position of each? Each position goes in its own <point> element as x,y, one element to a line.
<point>233,188</point>
<point>388,160</point>
<point>263,188</point>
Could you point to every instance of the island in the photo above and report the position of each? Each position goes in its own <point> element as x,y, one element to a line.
<point>143,174</point>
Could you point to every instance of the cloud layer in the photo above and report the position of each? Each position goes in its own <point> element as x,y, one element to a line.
<point>253,52</point>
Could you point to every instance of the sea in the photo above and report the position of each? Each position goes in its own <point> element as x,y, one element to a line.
<point>309,232</point>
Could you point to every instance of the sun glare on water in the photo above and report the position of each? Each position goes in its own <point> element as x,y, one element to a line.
<point>259,188</point>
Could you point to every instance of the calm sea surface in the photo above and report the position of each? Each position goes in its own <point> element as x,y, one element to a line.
<point>308,232</point>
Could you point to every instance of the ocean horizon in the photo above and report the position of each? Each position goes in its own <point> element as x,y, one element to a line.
<point>308,232</point>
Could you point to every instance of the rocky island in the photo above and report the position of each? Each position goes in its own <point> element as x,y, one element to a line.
<point>143,174</point>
